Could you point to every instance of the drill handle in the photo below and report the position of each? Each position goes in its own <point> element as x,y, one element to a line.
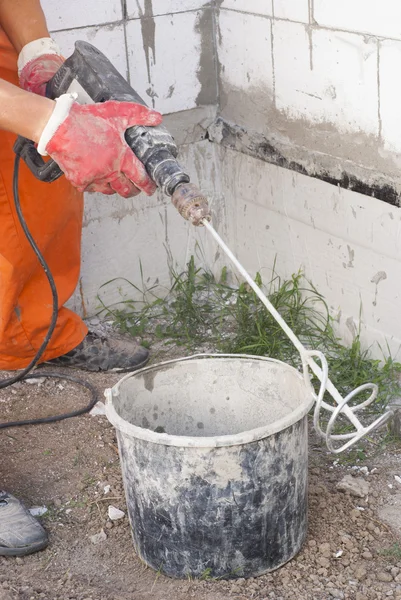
<point>47,171</point>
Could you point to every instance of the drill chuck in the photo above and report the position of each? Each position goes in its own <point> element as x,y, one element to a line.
<point>191,203</point>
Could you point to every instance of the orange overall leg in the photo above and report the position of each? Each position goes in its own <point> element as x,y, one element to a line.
<point>53,213</point>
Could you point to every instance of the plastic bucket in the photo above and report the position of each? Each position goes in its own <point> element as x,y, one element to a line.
<point>214,455</point>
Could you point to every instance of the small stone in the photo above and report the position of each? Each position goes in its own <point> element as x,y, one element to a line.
<point>360,572</point>
<point>337,594</point>
<point>355,514</point>
<point>394,571</point>
<point>360,596</point>
<point>324,550</point>
<point>19,561</point>
<point>98,538</point>
<point>98,410</point>
<point>115,514</point>
<point>35,380</point>
<point>323,562</point>
<point>109,525</point>
<point>367,555</point>
<point>348,543</point>
<point>356,486</point>
<point>384,576</point>
<point>38,511</point>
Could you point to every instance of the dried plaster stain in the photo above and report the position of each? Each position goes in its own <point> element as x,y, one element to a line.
<point>148,27</point>
<point>376,279</point>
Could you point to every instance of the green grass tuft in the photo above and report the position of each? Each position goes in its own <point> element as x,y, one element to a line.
<point>200,310</point>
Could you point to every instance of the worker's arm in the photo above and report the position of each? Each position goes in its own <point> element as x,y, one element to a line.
<point>23,113</point>
<point>87,142</point>
<point>23,21</point>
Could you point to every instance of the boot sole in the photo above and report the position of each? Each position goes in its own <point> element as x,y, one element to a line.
<point>23,551</point>
<point>51,363</point>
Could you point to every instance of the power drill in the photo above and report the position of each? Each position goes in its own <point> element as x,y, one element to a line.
<point>92,76</point>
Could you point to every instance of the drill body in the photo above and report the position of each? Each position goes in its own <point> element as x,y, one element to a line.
<point>89,74</point>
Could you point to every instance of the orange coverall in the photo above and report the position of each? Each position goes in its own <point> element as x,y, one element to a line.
<point>53,213</point>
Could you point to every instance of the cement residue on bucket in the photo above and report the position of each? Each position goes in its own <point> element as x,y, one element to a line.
<point>225,488</point>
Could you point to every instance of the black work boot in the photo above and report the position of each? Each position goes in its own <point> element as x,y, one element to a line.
<point>20,533</point>
<point>96,353</point>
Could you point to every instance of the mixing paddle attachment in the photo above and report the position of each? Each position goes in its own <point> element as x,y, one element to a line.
<point>320,371</point>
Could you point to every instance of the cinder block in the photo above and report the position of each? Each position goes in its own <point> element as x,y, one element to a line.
<point>381,18</point>
<point>77,13</point>
<point>293,10</point>
<point>257,7</point>
<point>140,8</point>
<point>326,77</point>
<point>108,39</point>
<point>390,92</point>
<point>246,67</point>
<point>172,64</point>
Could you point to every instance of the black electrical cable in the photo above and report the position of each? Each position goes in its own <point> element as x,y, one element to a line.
<point>25,373</point>
<point>6,382</point>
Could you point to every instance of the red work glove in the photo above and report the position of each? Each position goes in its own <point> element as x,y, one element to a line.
<point>37,63</point>
<point>89,146</point>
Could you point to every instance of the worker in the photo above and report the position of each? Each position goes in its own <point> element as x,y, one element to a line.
<point>88,144</point>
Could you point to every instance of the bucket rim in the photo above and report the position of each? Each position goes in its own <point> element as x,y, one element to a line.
<point>219,441</point>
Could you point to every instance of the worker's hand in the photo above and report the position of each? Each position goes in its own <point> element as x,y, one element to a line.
<point>37,63</point>
<point>89,146</point>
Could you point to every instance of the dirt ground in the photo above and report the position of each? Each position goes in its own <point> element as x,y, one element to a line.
<point>351,551</point>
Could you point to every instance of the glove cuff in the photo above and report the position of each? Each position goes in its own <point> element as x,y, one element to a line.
<point>36,49</point>
<point>59,114</point>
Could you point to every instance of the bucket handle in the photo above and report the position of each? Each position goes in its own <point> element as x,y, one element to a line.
<point>308,362</point>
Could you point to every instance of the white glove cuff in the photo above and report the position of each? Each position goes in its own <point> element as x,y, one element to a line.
<point>35,49</point>
<point>59,114</point>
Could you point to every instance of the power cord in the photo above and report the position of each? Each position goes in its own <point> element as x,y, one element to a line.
<point>25,373</point>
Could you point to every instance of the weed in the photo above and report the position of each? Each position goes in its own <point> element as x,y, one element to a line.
<point>76,504</point>
<point>393,552</point>
<point>158,573</point>
<point>206,575</point>
<point>352,457</point>
<point>202,310</point>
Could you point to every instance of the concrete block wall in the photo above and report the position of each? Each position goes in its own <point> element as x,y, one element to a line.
<point>304,170</point>
<point>332,65</point>
<point>313,86</point>
<point>166,49</point>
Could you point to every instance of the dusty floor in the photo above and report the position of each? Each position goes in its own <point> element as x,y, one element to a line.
<point>350,553</point>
